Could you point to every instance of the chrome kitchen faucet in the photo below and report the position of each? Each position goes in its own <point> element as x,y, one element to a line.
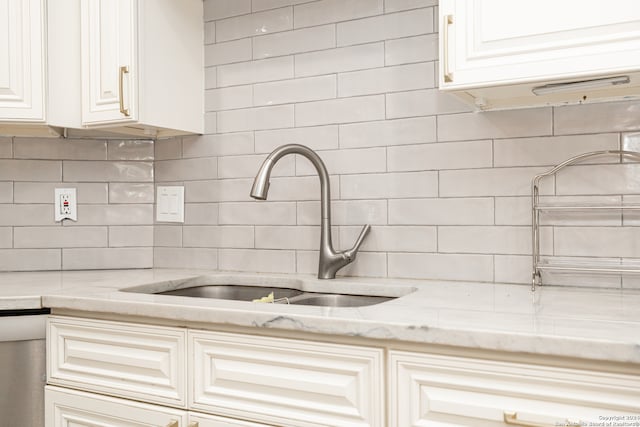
<point>330,260</point>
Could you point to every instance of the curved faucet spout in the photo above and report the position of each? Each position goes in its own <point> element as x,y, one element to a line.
<point>330,260</point>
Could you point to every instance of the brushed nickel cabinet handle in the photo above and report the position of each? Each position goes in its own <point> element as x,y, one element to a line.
<point>448,75</point>
<point>511,418</point>
<point>124,70</point>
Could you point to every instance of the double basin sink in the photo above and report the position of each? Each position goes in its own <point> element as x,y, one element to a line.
<point>239,290</point>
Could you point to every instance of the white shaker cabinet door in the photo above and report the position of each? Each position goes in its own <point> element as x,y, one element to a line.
<point>109,69</point>
<point>21,61</point>
<point>447,391</point>
<point>499,42</point>
<point>69,408</point>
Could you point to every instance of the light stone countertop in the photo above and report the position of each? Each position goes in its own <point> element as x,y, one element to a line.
<point>598,324</point>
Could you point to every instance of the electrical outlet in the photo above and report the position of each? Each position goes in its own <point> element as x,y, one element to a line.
<point>65,204</point>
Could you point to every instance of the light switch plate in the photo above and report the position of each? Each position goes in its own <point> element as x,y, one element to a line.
<point>65,206</point>
<point>170,204</point>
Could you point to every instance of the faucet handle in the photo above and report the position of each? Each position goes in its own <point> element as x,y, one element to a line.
<point>351,253</point>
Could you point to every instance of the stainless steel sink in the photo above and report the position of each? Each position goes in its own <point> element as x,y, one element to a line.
<point>337,300</point>
<point>233,292</point>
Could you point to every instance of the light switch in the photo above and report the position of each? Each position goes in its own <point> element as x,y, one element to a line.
<point>170,204</point>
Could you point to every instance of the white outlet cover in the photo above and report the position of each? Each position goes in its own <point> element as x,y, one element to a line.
<point>67,209</point>
<point>170,203</point>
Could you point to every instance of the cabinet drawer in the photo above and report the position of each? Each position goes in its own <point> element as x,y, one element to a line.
<point>140,362</point>
<point>286,382</point>
<point>439,391</point>
<point>70,408</point>
<point>201,420</point>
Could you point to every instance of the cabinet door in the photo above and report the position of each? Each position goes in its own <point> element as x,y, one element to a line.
<point>201,420</point>
<point>286,382</point>
<point>109,69</point>
<point>445,391</point>
<point>499,42</point>
<point>21,60</point>
<point>69,408</point>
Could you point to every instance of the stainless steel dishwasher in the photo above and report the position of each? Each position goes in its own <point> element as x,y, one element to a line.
<point>22,368</point>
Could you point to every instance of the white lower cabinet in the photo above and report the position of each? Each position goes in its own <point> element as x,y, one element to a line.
<point>202,420</point>
<point>286,382</point>
<point>70,408</point>
<point>446,391</point>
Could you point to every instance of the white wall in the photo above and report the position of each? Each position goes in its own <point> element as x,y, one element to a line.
<point>445,189</point>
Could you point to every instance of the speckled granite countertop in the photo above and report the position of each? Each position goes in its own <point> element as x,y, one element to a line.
<point>588,323</point>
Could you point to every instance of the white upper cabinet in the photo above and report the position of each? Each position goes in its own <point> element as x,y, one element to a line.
<point>21,61</point>
<point>128,66</point>
<point>496,53</point>
<point>109,69</point>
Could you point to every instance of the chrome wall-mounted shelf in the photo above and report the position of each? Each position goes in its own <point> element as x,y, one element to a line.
<point>550,263</point>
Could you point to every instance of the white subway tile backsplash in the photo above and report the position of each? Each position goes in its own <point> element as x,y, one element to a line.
<point>427,102</point>
<point>599,179</point>
<point>359,109</point>
<point>228,52</point>
<point>287,237</point>
<point>477,268</point>
<point>218,9</point>
<point>450,155</point>
<point>367,264</point>
<point>6,237</point>
<point>397,5</point>
<point>298,188</point>
<point>513,268</point>
<point>388,132</point>
<point>485,239</point>
<point>6,192</point>
<point>165,149</point>
<point>207,236</point>
<point>187,169</point>
<point>17,215</point>
<point>260,118</point>
<point>254,24</point>
<point>387,79</point>
<point>597,241</point>
<point>185,258</point>
<point>598,117</point>
<point>495,124</point>
<point>389,185</point>
<point>228,98</point>
<point>210,122</point>
<point>135,149</point>
<point>297,41</point>
<point>99,171</point>
<point>383,238</point>
<point>60,237</point>
<point>201,214</point>
<point>265,261</point>
<point>113,215</point>
<point>327,11</point>
<point>345,212</point>
<point>209,32</point>
<point>258,5</point>
<point>462,211</point>
<point>411,49</point>
<point>227,144</point>
<point>549,150</point>
<point>106,258</point>
<point>69,149</point>
<point>298,90</point>
<point>248,166</point>
<point>30,259</point>
<point>491,182</point>
<point>316,138</point>
<point>386,27</point>
<point>263,70</point>
<point>129,236</point>
<point>31,170</point>
<point>257,213</point>
<point>363,160</point>
<point>167,235</point>
<point>210,77</point>
<point>42,192</point>
<point>124,192</point>
<point>6,147</point>
<point>340,60</point>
